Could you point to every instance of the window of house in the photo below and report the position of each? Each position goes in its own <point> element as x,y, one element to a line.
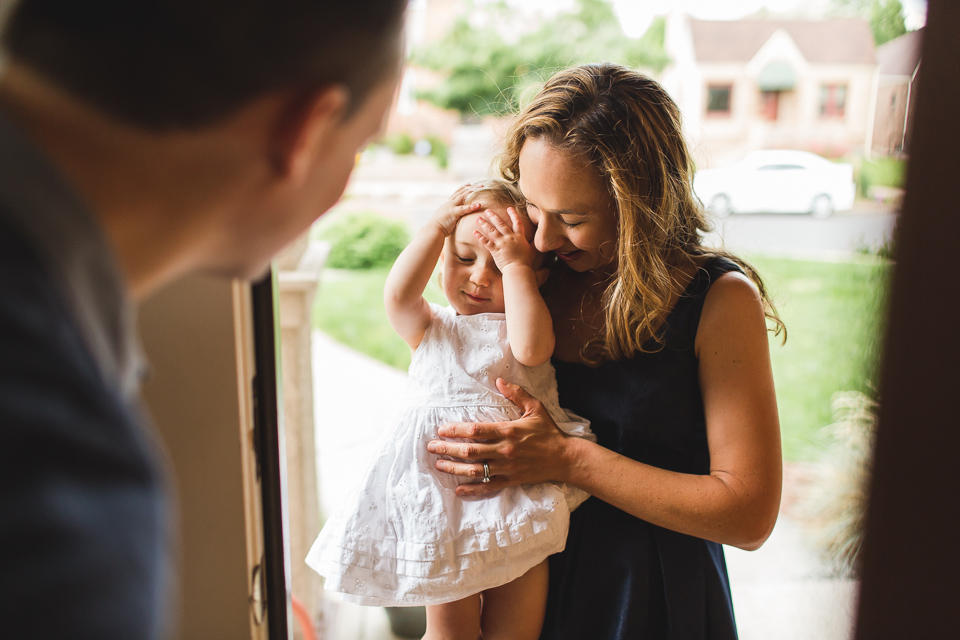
<point>718,99</point>
<point>833,100</point>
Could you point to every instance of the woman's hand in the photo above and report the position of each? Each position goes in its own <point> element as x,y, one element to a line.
<point>506,240</point>
<point>447,215</point>
<point>527,450</point>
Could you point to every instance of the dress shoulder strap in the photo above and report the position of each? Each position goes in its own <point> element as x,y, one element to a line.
<point>685,318</point>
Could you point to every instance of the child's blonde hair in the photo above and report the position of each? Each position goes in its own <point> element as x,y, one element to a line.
<point>499,191</point>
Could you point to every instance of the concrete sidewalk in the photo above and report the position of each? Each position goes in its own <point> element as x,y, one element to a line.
<point>783,591</point>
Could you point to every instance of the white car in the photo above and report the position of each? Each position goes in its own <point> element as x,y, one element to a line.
<point>777,181</point>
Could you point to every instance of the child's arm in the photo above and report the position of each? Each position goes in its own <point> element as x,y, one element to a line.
<point>529,326</point>
<point>408,312</point>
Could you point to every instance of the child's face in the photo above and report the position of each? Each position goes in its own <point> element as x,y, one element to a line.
<point>471,280</point>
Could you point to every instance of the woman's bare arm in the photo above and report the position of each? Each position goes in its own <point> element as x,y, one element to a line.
<point>736,503</point>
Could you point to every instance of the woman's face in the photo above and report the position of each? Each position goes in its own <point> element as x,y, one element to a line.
<point>569,202</point>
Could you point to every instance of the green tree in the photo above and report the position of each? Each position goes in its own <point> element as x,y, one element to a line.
<point>886,20</point>
<point>885,16</point>
<point>489,73</point>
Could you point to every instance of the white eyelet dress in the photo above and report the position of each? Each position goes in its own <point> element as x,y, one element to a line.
<point>404,537</point>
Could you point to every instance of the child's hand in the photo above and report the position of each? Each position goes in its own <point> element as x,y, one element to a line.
<point>453,209</point>
<point>506,241</point>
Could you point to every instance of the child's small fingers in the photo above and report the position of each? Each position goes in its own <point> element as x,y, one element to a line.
<point>484,240</point>
<point>461,193</point>
<point>464,209</point>
<point>515,219</point>
<point>496,221</point>
<point>487,226</point>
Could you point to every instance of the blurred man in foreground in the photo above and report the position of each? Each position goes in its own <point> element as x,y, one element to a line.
<point>140,141</point>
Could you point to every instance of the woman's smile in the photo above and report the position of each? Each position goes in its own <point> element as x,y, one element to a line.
<point>569,256</point>
<point>569,202</point>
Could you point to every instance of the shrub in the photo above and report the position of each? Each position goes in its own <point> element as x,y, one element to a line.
<point>835,500</point>
<point>882,172</point>
<point>364,240</point>
<point>400,143</point>
<point>439,151</point>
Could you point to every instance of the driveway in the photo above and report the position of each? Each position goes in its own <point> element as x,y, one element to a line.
<point>799,235</point>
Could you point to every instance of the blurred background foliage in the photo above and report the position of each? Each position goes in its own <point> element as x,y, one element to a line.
<point>885,16</point>
<point>363,240</point>
<point>491,68</point>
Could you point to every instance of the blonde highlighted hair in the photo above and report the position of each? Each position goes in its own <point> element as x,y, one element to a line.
<point>625,125</point>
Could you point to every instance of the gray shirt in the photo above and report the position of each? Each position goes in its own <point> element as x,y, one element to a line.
<point>84,513</point>
<point>36,199</point>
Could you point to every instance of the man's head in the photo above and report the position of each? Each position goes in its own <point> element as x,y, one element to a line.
<point>176,64</point>
<point>222,128</point>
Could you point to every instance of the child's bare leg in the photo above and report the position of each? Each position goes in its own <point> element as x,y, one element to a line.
<point>515,611</point>
<point>457,620</point>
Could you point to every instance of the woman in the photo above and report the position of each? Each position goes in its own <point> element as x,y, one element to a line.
<point>661,344</point>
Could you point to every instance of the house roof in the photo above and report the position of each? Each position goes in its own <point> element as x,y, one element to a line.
<point>900,56</point>
<point>844,41</point>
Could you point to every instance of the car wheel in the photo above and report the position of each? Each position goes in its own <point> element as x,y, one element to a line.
<point>822,207</point>
<point>720,206</point>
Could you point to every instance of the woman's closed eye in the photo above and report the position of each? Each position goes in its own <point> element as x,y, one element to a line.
<point>534,214</point>
<point>464,259</point>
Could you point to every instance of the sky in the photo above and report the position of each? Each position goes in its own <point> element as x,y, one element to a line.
<point>635,15</point>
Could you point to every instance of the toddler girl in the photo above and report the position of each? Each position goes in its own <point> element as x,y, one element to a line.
<point>404,538</point>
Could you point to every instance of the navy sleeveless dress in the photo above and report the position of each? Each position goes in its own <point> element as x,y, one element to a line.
<point>621,577</point>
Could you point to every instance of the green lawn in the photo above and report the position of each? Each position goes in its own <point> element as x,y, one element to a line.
<point>349,307</point>
<point>832,311</point>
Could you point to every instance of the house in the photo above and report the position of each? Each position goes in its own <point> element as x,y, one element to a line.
<point>762,84</point>
<point>899,62</point>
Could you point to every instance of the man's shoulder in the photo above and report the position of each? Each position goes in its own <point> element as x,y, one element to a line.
<point>81,494</point>
<point>33,315</point>
<point>44,362</point>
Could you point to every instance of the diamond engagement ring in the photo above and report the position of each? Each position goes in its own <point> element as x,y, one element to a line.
<point>486,472</point>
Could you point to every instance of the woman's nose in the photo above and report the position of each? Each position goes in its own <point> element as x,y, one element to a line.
<point>546,238</point>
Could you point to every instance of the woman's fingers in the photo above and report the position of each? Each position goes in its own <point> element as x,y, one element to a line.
<point>464,469</point>
<point>473,470</point>
<point>482,488</point>
<point>462,450</point>
<point>472,430</point>
<point>518,396</point>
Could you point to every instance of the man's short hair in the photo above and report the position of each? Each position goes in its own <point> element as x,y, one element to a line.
<point>180,64</point>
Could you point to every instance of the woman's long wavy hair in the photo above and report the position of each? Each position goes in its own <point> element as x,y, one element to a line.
<point>626,126</point>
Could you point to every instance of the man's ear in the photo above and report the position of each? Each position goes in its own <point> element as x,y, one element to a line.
<point>542,274</point>
<point>304,125</point>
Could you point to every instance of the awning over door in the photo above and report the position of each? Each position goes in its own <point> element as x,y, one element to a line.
<point>777,76</point>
